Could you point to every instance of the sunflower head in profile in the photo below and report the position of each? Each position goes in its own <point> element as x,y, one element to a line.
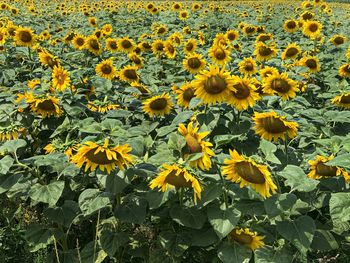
<point>93,45</point>
<point>136,59</point>
<point>307,16</point>
<point>92,21</point>
<point>69,37</point>
<point>78,42</point>
<point>112,44</point>
<point>190,46</point>
<point>24,37</point>
<point>342,100</point>
<point>60,78</point>
<point>126,45</point>
<point>264,52</point>
<point>245,95</point>
<point>194,63</point>
<point>184,94</point>
<point>264,37</point>
<point>247,172</point>
<point>129,74</point>
<point>247,66</point>
<point>48,60</point>
<point>201,38</point>
<point>159,105</point>
<point>33,83</point>
<point>219,55</point>
<point>102,106</point>
<point>232,35</point>
<point>178,177</point>
<point>282,85</point>
<point>105,157</point>
<point>57,145</point>
<point>312,29</point>
<point>344,70</point>
<point>319,169</point>
<point>213,85</point>
<point>291,52</point>
<point>270,126</point>
<point>338,40</point>
<point>12,132</point>
<point>311,62</point>
<point>195,144</point>
<point>106,69</point>
<point>245,237</point>
<point>249,30</point>
<point>45,106</point>
<point>169,49</point>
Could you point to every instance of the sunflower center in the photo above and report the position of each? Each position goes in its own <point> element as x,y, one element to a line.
<point>250,172</point>
<point>242,238</point>
<point>159,104</point>
<point>61,78</point>
<point>146,45</point>
<point>46,105</point>
<point>106,69</point>
<point>265,51</point>
<point>161,30</point>
<point>215,85</point>
<point>345,99</point>
<point>80,41</point>
<point>136,60</point>
<point>291,52</point>
<point>94,44</point>
<point>231,36</point>
<point>249,29</point>
<point>126,44</point>
<point>264,38</point>
<point>325,170</point>
<point>280,85</point>
<point>291,24</point>
<point>220,54</point>
<point>311,63</point>
<point>188,94</point>
<point>99,158</point>
<point>171,49</point>
<point>26,36</point>
<point>130,74</point>
<point>113,45</point>
<point>274,125</point>
<point>177,40</point>
<point>248,66</point>
<point>307,16</point>
<point>242,92</point>
<point>189,46</point>
<point>159,46</point>
<point>193,144</point>
<point>177,181</point>
<point>313,28</point>
<point>347,68</point>
<point>339,40</point>
<point>194,63</point>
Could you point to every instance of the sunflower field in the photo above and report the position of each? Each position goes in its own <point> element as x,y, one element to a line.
<point>209,131</point>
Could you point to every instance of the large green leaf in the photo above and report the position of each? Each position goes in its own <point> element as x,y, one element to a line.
<point>112,240</point>
<point>234,253</point>
<point>13,145</point>
<point>5,164</point>
<point>339,208</point>
<point>63,215</point>
<point>47,193</point>
<point>341,160</point>
<point>191,217</point>
<point>92,200</point>
<point>268,149</point>
<point>297,179</point>
<point>132,210</point>
<point>279,204</point>
<point>267,254</point>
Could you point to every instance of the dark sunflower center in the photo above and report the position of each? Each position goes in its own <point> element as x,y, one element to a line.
<point>193,144</point>
<point>311,63</point>
<point>307,16</point>
<point>280,85</point>
<point>136,60</point>
<point>99,158</point>
<point>130,74</point>
<point>70,37</point>
<point>194,63</point>
<point>242,238</point>
<point>345,99</point>
<point>106,69</point>
<point>219,54</point>
<point>26,36</point>
<point>161,30</point>
<point>265,51</point>
<point>159,104</point>
<point>347,68</point>
<point>177,39</point>
<point>249,172</point>
<point>113,45</point>
<point>171,49</point>
<point>231,36</point>
<point>146,45</point>
<point>248,66</point>
<point>80,41</point>
<point>215,85</point>
<point>249,29</point>
<point>126,44</point>
<point>242,92</point>
<point>188,94</point>
<point>264,38</point>
<point>94,44</point>
<point>159,46</point>
<point>61,78</point>
<point>46,105</point>
<point>325,170</point>
<point>339,40</point>
<point>313,27</point>
<point>189,46</point>
<point>291,52</point>
<point>274,125</point>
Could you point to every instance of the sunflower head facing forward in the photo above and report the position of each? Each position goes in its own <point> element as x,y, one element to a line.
<point>159,105</point>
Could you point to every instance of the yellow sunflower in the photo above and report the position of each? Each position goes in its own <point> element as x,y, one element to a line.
<point>126,44</point>
<point>201,38</point>
<point>267,71</point>
<point>280,84</point>
<point>264,37</point>
<point>60,78</point>
<point>111,44</point>
<point>213,85</point>
<point>342,100</point>
<point>264,52</point>
<point>11,133</point>
<point>291,26</point>
<point>232,35</point>
<point>219,55</point>
<point>183,15</point>
<point>247,172</point>
<point>338,40</point>
<point>247,238</point>
<point>247,66</point>
<point>222,40</point>
<point>47,59</point>
<point>194,63</point>
<point>249,30</point>
<point>93,156</point>
<point>184,94</point>
<point>270,126</point>
<point>24,37</point>
<point>195,144</point>
<point>3,36</point>
<point>158,47</point>
<point>344,70</point>
<point>78,42</point>
<point>291,51</point>
<point>159,105</point>
<point>169,49</point>
<point>102,107</point>
<point>245,95</point>
<point>44,106</point>
<point>136,59</point>
<point>33,83</point>
<point>129,74</point>
<point>106,69</point>
<point>312,29</point>
<point>319,169</point>
<point>190,46</point>
<point>311,62</point>
<point>176,38</point>
<point>93,45</point>
<point>175,176</point>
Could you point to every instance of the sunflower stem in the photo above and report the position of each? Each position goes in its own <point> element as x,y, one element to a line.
<point>286,149</point>
<point>238,117</point>
<point>181,195</point>
<point>29,54</point>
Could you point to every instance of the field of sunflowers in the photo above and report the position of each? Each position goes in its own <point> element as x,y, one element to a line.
<point>135,131</point>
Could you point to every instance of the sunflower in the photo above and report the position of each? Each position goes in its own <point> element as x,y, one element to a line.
<point>32,84</point>
<point>57,145</point>
<point>196,6</point>
<point>267,71</point>
<point>194,63</point>
<point>320,169</point>
<point>24,37</point>
<point>348,52</point>
<point>69,37</point>
<point>169,49</point>
<point>78,42</point>
<point>291,26</point>
<point>47,59</point>
<point>175,176</point>
<point>270,126</point>
<point>196,144</point>
<point>184,94</point>
<point>344,70</point>
<point>306,16</point>
<point>245,95</point>
<point>311,62</point>
<point>45,106</point>
<point>160,30</point>
<point>107,29</point>
<point>232,35</point>
<point>3,36</point>
<point>222,40</point>
<point>342,100</point>
<point>111,44</point>
<point>141,88</point>
<point>219,55</point>
<point>102,107</point>
<point>280,84</point>
<point>158,47</point>
<point>264,52</point>
<point>159,105</point>
<point>312,29</point>
<point>183,15</point>
<point>249,30</point>
<point>92,21</point>
<point>144,46</point>
<point>190,46</point>
<point>176,38</point>
<point>338,40</point>
<point>11,133</point>
<point>136,59</point>
<point>247,172</point>
<point>60,78</point>
<point>177,6</point>
<point>264,37</point>
<point>93,45</point>
<point>103,157</point>
<point>291,51</point>
<point>126,45</point>
<point>247,66</point>
<point>106,69</point>
<point>129,74</point>
<point>247,238</point>
<point>213,85</point>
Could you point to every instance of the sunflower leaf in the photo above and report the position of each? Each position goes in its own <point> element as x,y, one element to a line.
<point>234,253</point>
<point>268,149</point>
<point>341,160</point>
<point>297,179</point>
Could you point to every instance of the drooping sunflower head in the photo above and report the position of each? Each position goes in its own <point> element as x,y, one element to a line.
<point>248,66</point>
<point>178,177</point>
<point>106,69</point>
<point>344,70</point>
<point>213,85</point>
<point>291,51</point>
<point>244,236</point>
<point>93,45</point>
<point>247,172</point>
<point>159,105</point>
<point>11,132</point>
<point>129,74</point>
<point>126,45</point>
<point>194,63</point>
<point>245,95</point>
<point>102,106</point>
<point>136,59</point>
<point>282,85</point>
<point>312,63</point>
<point>270,126</point>
<point>312,29</point>
<point>264,52</point>
<point>219,55</point>
<point>60,78</point>
<point>190,46</point>
<point>45,106</point>
<point>338,40</point>
<point>342,100</point>
<point>24,37</point>
<point>184,94</point>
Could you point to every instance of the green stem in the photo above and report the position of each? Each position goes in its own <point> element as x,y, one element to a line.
<point>286,148</point>
<point>181,195</point>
